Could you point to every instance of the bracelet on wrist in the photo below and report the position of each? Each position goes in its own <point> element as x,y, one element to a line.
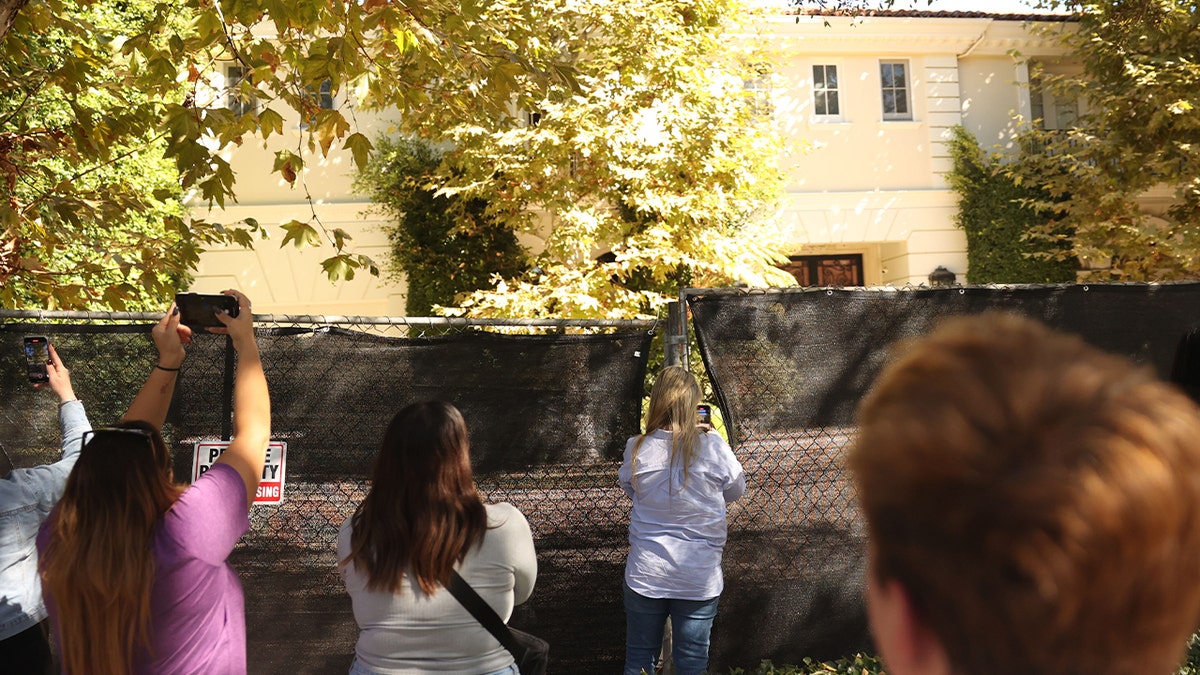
<point>70,400</point>
<point>169,370</point>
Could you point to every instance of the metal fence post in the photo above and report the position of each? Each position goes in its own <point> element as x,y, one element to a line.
<point>675,343</point>
<point>227,393</point>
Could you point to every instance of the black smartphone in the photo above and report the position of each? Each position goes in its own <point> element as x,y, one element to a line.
<point>704,415</point>
<point>37,355</point>
<point>199,310</point>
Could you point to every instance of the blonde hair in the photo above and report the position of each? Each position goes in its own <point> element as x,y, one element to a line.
<point>98,568</point>
<point>1037,498</point>
<point>673,401</point>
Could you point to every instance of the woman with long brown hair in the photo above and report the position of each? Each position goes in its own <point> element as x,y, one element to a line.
<point>680,477</point>
<point>133,566</point>
<point>423,519</point>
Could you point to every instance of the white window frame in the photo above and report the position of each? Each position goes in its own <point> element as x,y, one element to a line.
<point>1056,113</point>
<point>905,91</point>
<point>323,95</point>
<point>761,90</point>
<point>838,91</point>
<point>234,75</point>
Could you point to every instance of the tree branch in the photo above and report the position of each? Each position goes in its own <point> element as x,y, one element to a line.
<point>9,9</point>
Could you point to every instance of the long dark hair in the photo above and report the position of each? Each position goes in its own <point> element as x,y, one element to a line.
<point>423,512</point>
<point>98,567</point>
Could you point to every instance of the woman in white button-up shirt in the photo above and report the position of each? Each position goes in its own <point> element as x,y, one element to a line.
<point>680,478</point>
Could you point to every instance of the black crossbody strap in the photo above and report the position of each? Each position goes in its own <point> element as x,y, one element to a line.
<point>484,614</point>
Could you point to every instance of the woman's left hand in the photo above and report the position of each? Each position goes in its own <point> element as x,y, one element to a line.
<point>170,337</point>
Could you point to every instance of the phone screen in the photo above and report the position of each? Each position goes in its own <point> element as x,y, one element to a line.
<point>703,415</point>
<point>37,355</point>
<point>199,310</point>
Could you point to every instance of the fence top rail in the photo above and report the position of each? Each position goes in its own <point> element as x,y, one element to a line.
<point>758,290</point>
<point>328,319</point>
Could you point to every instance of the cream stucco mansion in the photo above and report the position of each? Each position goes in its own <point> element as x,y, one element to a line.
<point>868,104</point>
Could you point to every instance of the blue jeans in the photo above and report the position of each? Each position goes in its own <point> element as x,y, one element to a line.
<point>691,623</point>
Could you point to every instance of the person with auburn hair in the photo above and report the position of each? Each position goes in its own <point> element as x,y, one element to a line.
<point>423,519</point>
<point>680,479</point>
<point>1033,506</point>
<point>134,566</point>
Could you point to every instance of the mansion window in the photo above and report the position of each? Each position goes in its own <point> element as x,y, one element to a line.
<point>1051,109</point>
<point>758,88</point>
<point>322,97</point>
<point>826,101</point>
<point>236,97</point>
<point>894,85</point>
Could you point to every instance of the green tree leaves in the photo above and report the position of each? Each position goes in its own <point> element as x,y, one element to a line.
<point>300,234</point>
<point>1013,236</point>
<point>86,86</point>
<point>1137,134</point>
<point>86,198</point>
<point>444,245</point>
<point>649,169</point>
<point>645,145</point>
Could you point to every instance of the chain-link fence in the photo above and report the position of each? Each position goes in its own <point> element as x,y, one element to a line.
<point>548,414</point>
<point>788,368</point>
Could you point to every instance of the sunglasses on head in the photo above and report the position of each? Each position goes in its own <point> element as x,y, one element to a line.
<point>101,432</point>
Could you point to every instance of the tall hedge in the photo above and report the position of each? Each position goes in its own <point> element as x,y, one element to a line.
<point>994,213</point>
<point>443,246</point>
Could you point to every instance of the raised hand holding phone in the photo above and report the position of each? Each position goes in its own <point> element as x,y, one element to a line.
<point>152,400</point>
<point>59,377</point>
<point>238,323</point>
<point>200,310</point>
<point>251,403</point>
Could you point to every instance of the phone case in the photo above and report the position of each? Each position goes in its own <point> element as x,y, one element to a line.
<point>37,354</point>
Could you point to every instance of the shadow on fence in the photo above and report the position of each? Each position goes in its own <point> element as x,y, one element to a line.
<point>548,415</point>
<point>547,412</point>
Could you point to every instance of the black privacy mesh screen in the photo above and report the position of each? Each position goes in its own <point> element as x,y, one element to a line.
<point>548,417</point>
<point>788,368</point>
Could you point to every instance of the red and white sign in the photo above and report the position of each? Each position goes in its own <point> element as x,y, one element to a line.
<point>270,489</point>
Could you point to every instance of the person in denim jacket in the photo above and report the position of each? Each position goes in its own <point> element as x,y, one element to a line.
<point>26,497</point>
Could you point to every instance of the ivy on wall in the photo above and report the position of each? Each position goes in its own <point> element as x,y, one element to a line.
<point>442,245</point>
<point>994,210</point>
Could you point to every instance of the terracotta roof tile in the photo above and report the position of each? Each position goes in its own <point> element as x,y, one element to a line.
<point>930,14</point>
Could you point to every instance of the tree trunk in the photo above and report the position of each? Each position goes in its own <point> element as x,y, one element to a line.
<point>8,13</point>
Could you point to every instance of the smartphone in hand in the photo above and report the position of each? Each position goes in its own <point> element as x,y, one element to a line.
<point>704,416</point>
<point>37,356</point>
<point>199,310</point>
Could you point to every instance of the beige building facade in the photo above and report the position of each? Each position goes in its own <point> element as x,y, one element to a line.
<point>865,104</point>
<point>867,177</point>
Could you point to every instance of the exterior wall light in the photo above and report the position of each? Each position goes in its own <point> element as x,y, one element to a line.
<point>941,276</point>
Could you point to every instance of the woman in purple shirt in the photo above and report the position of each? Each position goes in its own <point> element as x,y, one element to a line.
<point>133,566</point>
